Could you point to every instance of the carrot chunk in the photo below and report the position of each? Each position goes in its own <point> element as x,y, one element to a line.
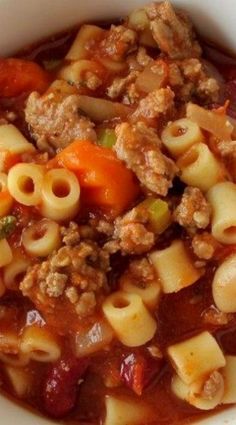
<point>18,76</point>
<point>104,179</point>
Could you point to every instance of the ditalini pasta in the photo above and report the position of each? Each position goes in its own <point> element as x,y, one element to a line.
<point>14,140</point>
<point>14,270</point>
<point>222,198</point>
<point>196,357</point>
<point>223,286</point>
<point>150,293</point>
<point>41,238</point>
<point>229,374</point>
<point>117,224</point>
<point>6,253</point>
<point>39,344</point>
<point>197,393</point>
<point>19,379</point>
<point>129,318</point>
<point>6,200</point>
<point>25,183</point>
<point>200,168</point>
<point>174,267</point>
<point>180,135</point>
<point>60,195</point>
<point>125,411</point>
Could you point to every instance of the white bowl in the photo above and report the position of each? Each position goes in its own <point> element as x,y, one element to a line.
<point>25,21</point>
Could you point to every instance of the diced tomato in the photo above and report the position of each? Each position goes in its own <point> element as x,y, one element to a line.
<point>137,371</point>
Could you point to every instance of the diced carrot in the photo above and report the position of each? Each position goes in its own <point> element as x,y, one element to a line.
<point>104,179</point>
<point>18,76</point>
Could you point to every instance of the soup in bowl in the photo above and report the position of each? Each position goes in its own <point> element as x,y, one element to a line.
<point>117,218</point>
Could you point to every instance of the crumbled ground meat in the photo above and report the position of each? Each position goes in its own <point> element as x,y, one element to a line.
<point>213,316</point>
<point>131,234</point>
<point>155,103</point>
<point>188,79</point>
<point>172,31</point>
<point>227,148</point>
<point>212,385</point>
<point>102,226</point>
<point>143,58</point>
<point>139,147</point>
<point>204,245</point>
<point>70,234</point>
<point>92,81</point>
<point>119,42</point>
<point>140,272</point>
<point>73,273</point>
<point>118,86</point>
<point>54,121</point>
<point>194,211</point>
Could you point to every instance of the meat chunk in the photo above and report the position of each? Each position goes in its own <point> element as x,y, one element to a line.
<point>131,234</point>
<point>140,272</point>
<point>212,385</point>
<point>54,121</point>
<point>70,234</point>
<point>155,103</point>
<point>172,31</point>
<point>139,147</point>
<point>204,245</point>
<point>189,78</point>
<point>227,148</point>
<point>215,317</point>
<point>119,42</point>
<point>194,211</point>
<point>118,86</point>
<point>73,279</point>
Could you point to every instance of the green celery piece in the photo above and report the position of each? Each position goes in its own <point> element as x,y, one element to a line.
<point>7,226</point>
<point>106,137</point>
<point>159,214</point>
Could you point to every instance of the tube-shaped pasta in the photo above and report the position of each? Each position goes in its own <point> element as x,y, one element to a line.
<point>200,168</point>
<point>126,411</point>
<point>6,253</point>
<point>14,272</point>
<point>41,238</point>
<point>196,358</point>
<point>86,33</point>
<point>222,198</point>
<point>174,267</point>
<point>15,359</point>
<point>75,72</point>
<point>19,379</point>
<point>224,287</point>
<point>180,135</point>
<point>150,293</point>
<point>13,140</point>
<point>9,350</point>
<point>39,344</point>
<point>6,199</point>
<point>60,194</point>
<point>194,393</point>
<point>229,374</point>
<point>25,183</point>
<point>129,318</point>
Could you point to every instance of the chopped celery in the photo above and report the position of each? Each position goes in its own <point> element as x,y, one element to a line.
<point>7,226</point>
<point>106,137</point>
<point>159,214</point>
